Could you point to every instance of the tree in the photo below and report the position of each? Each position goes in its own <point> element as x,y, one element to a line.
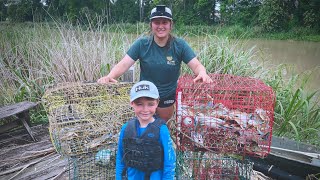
<point>273,15</point>
<point>190,12</point>
<point>125,11</point>
<point>241,12</point>
<point>23,10</point>
<point>310,13</point>
<point>205,10</point>
<point>3,10</point>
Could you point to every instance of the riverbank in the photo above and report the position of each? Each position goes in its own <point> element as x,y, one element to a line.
<point>239,32</point>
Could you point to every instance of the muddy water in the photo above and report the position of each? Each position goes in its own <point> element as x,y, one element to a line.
<point>303,55</point>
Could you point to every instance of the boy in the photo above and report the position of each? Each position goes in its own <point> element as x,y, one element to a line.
<point>145,149</point>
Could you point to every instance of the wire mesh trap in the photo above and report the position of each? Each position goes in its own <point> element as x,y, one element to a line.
<point>207,165</point>
<point>99,165</point>
<point>86,116</point>
<point>232,114</point>
<point>84,123</point>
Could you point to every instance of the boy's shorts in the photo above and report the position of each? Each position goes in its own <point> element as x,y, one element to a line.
<point>168,101</point>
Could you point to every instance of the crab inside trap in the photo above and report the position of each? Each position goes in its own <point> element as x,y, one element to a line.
<point>232,114</point>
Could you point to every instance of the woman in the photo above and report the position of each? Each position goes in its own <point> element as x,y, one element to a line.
<point>160,56</point>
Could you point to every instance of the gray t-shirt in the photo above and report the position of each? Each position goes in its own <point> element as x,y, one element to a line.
<point>161,65</point>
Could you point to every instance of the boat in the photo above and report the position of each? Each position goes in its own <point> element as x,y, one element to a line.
<point>289,159</point>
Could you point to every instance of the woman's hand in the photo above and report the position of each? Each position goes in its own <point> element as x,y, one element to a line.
<point>203,77</point>
<point>200,71</point>
<point>106,79</point>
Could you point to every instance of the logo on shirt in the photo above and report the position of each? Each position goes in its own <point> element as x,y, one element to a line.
<point>142,87</point>
<point>170,61</point>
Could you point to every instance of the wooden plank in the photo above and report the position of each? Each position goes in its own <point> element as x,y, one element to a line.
<point>8,126</point>
<point>20,109</point>
<point>25,115</point>
<point>282,142</point>
<point>296,153</point>
<point>28,129</point>
<point>48,168</point>
<point>9,110</point>
<point>14,155</point>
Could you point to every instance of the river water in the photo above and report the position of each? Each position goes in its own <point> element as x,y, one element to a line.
<point>300,54</point>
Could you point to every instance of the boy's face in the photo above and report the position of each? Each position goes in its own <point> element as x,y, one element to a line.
<point>145,108</point>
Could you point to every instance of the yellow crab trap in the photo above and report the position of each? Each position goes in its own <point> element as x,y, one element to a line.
<point>232,114</point>
<point>84,124</point>
<point>86,116</point>
<point>203,165</point>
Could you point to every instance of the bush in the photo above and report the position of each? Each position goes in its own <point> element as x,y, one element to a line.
<point>273,16</point>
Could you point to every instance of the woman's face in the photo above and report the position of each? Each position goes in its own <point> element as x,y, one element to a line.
<point>161,27</point>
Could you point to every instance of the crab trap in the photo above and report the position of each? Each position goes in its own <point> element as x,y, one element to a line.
<point>207,165</point>
<point>99,165</point>
<point>232,114</point>
<point>83,117</point>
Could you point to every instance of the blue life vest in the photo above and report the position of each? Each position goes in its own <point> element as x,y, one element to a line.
<point>144,153</point>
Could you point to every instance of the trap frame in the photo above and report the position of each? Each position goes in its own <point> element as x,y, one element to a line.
<point>233,114</point>
<point>85,120</point>
<point>84,116</point>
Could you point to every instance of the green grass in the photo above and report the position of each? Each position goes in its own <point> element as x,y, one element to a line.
<point>297,112</point>
<point>33,56</point>
<point>224,56</point>
<point>297,34</point>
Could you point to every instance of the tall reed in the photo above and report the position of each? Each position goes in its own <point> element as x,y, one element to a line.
<point>33,57</point>
<point>297,111</point>
<point>225,56</point>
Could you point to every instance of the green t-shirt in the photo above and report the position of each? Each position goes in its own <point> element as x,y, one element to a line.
<point>161,65</point>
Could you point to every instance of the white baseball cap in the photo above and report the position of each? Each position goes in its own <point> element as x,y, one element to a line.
<point>161,11</point>
<point>144,89</point>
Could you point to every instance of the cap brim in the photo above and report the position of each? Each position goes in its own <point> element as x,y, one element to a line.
<point>166,17</point>
<point>143,95</point>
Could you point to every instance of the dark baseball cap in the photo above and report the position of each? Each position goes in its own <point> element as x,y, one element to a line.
<point>161,11</point>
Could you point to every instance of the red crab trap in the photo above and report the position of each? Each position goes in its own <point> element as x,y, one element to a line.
<point>84,123</point>
<point>203,165</point>
<point>233,114</point>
